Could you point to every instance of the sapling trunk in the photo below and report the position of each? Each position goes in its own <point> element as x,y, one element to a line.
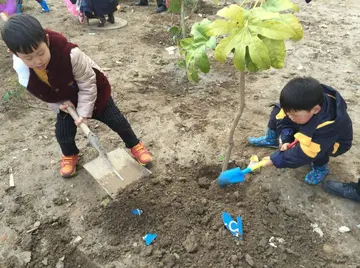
<point>236,121</point>
<point>182,19</point>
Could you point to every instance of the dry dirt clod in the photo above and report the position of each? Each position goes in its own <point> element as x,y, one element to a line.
<point>272,208</point>
<point>147,251</point>
<point>204,183</point>
<point>289,251</point>
<point>37,224</point>
<point>274,195</point>
<point>291,213</point>
<point>25,256</point>
<point>328,249</point>
<point>45,261</point>
<point>76,241</point>
<point>59,201</point>
<point>27,242</point>
<point>206,219</point>
<point>155,181</point>
<point>263,242</point>
<point>234,259</point>
<point>60,263</point>
<point>191,243</point>
<point>169,261</point>
<point>204,201</point>
<point>249,260</point>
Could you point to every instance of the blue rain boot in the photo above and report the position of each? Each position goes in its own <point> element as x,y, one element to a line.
<point>317,174</point>
<point>18,8</point>
<point>269,140</point>
<point>44,6</point>
<point>349,190</point>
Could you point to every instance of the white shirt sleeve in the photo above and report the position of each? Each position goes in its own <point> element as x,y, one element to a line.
<point>22,71</point>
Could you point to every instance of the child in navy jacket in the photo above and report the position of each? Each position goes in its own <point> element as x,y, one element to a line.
<point>316,116</point>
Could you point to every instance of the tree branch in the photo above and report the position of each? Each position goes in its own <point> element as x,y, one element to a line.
<point>182,19</point>
<point>236,121</point>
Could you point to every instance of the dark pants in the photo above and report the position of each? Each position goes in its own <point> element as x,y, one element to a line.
<point>161,3</point>
<point>272,124</point>
<point>65,128</point>
<point>98,8</point>
<point>323,157</point>
<point>21,1</point>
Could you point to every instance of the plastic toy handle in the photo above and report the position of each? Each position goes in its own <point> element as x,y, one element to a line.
<point>293,144</point>
<point>258,165</point>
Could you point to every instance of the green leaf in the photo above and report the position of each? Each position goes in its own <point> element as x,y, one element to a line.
<point>259,53</point>
<point>6,96</point>
<point>211,43</point>
<point>219,27</point>
<point>174,30</point>
<point>249,64</point>
<point>194,50</point>
<point>12,93</point>
<point>22,89</point>
<point>239,58</point>
<point>280,5</point>
<point>238,42</point>
<point>202,62</point>
<point>263,14</point>
<point>255,36</point>
<point>175,6</point>
<point>181,63</point>
<point>277,52</point>
<point>234,13</point>
<point>273,29</point>
<point>198,30</point>
<point>175,33</point>
<point>186,42</point>
<point>192,74</point>
<point>293,23</point>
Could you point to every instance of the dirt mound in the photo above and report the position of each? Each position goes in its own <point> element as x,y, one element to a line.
<point>184,209</point>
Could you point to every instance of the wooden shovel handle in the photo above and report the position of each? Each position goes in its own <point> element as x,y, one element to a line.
<point>75,116</point>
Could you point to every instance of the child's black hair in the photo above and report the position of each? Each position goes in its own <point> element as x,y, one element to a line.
<point>23,34</point>
<point>301,93</point>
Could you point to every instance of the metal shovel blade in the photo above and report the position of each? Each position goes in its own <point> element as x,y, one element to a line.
<point>124,164</point>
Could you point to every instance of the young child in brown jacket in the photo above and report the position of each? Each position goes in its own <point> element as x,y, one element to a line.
<point>62,75</point>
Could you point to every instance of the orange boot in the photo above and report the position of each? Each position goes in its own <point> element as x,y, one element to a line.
<point>68,165</point>
<point>141,154</point>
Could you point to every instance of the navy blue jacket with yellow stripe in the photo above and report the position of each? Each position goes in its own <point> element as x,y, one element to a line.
<point>328,133</point>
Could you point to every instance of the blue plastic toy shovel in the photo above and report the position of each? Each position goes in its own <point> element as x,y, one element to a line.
<point>237,175</point>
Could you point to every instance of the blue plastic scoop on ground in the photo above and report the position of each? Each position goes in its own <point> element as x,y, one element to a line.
<point>235,227</point>
<point>237,175</point>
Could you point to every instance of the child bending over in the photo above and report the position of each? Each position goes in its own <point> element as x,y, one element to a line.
<point>62,75</point>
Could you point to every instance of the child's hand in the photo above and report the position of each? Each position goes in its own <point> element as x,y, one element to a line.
<point>284,146</point>
<point>63,107</point>
<point>80,120</point>
<point>268,162</point>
